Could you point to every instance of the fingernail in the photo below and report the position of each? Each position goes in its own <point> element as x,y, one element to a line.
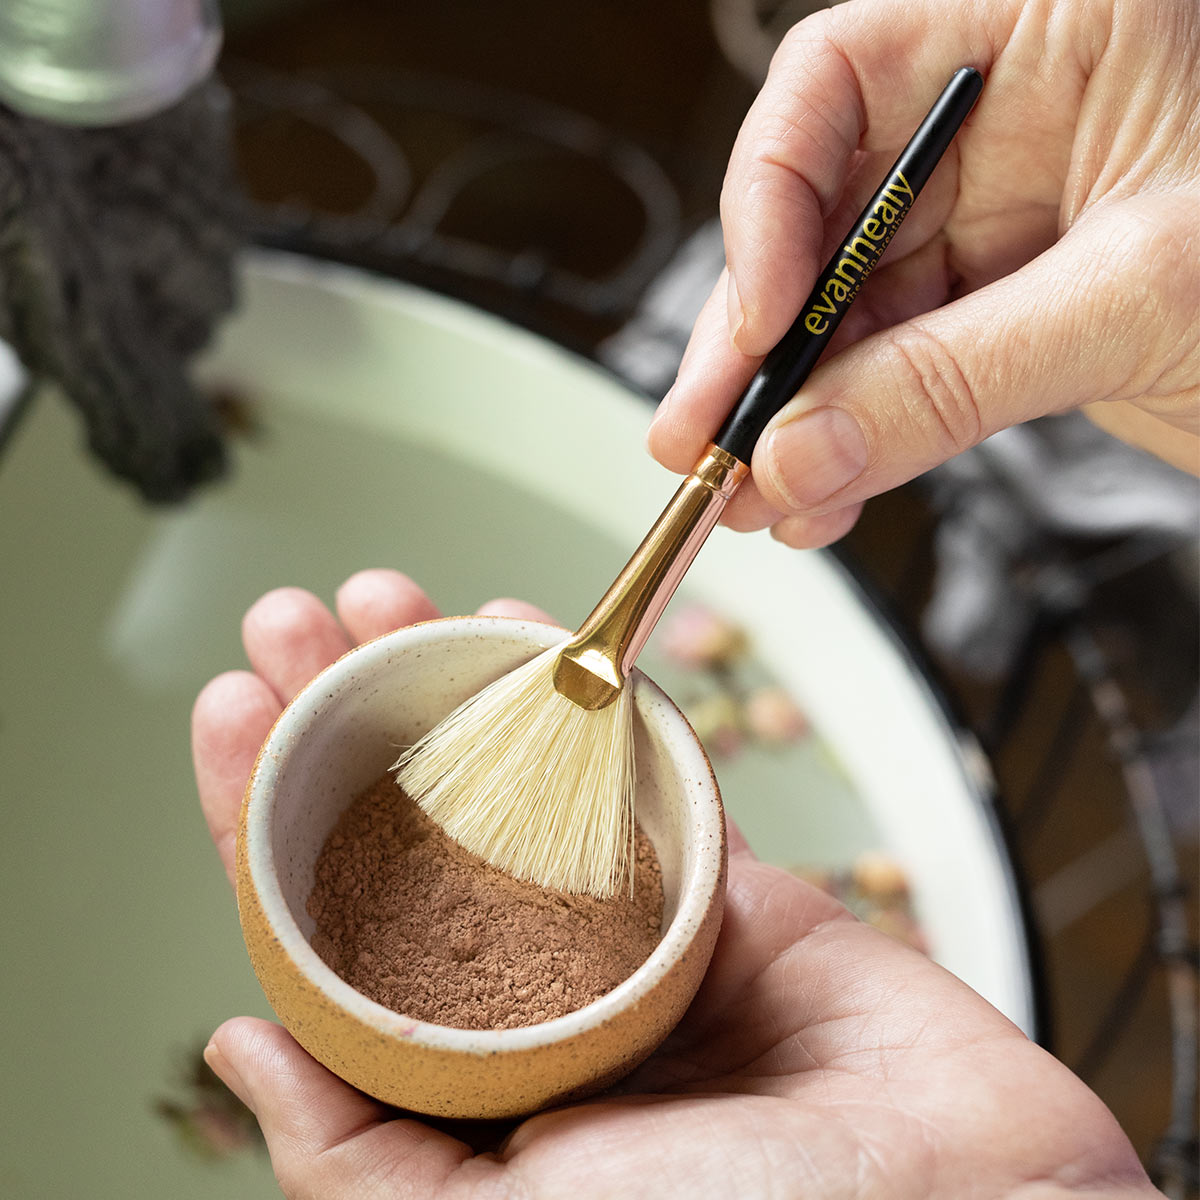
<point>814,455</point>
<point>223,1069</point>
<point>737,317</point>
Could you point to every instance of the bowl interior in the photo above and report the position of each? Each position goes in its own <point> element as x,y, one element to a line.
<point>348,726</point>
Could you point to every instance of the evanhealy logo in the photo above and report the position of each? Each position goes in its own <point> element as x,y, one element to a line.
<point>874,234</point>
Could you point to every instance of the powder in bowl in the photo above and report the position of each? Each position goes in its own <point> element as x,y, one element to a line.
<point>413,921</point>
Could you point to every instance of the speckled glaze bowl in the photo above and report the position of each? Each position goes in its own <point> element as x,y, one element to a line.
<point>339,735</point>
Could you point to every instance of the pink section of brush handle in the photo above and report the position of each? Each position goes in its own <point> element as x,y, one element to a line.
<point>686,555</point>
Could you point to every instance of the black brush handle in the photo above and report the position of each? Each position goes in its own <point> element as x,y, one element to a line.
<point>788,365</point>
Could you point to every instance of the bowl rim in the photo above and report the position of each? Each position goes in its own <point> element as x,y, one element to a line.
<point>698,889</point>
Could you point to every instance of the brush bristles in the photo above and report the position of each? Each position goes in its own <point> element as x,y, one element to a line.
<point>534,784</point>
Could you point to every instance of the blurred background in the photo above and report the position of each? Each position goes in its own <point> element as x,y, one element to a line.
<point>558,167</point>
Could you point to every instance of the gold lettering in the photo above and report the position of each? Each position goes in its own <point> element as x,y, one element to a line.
<point>901,185</point>
<point>842,285</point>
<point>870,245</point>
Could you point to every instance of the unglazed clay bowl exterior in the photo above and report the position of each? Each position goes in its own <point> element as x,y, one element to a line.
<point>339,735</point>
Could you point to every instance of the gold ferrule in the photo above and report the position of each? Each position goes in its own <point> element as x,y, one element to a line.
<point>720,471</point>
<point>593,666</point>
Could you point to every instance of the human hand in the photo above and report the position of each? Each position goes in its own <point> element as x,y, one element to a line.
<point>1052,262</point>
<point>820,1058</point>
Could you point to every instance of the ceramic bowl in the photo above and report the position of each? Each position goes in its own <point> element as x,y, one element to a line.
<point>339,735</point>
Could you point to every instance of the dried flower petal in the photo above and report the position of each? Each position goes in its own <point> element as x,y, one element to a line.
<point>695,636</point>
<point>773,716</point>
<point>717,722</point>
<point>879,876</point>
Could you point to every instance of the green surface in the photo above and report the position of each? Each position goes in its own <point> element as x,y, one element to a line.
<point>793,801</point>
<point>121,945</point>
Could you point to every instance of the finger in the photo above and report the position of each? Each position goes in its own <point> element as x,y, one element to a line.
<point>691,414</point>
<point>377,601</point>
<point>840,81</point>
<point>693,411</point>
<point>712,374</point>
<point>1174,443</point>
<point>785,175</point>
<point>230,721</point>
<point>1097,317</point>
<point>749,510</point>
<point>809,531</point>
<point>900,289</point>
<point>291,1094</point>
<point>767,913</point>
<point>326,1139</point>
<point>924,222</point>
<point>289,637</point>
<point>515,608</point>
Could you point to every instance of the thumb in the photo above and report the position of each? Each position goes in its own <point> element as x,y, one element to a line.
<point>327,1140</point>
<point>1100,316</point>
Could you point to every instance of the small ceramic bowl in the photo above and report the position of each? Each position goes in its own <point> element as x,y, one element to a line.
<point>338,736</point>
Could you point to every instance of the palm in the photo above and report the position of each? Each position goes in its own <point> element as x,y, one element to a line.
<point>823,1057</point>
<point>820,1057</point>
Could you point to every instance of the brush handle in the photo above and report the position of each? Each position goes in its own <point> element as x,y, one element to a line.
<point>788,365</point>
<point>592,667</point>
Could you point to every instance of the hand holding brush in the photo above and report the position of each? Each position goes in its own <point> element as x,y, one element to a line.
<point>535,774</point>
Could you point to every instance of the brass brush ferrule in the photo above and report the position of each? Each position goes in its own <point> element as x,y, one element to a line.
<point>593,666</point>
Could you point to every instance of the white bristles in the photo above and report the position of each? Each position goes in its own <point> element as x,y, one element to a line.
<point>534,784</point>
